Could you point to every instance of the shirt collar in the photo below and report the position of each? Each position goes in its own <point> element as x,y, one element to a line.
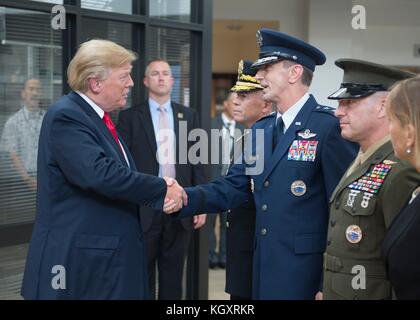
<point>95,107</point>
<point>31,114</point>
<point>291,114</point>
<point>155,106</point>
<point>226,120</point>
<point>373,148</point>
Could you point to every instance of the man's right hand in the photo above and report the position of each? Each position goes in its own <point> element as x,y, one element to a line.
<point>175,196</point>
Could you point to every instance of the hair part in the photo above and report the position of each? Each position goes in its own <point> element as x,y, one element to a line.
<point>95,59</point>
<point>403,104</point>
<point>307,74</point>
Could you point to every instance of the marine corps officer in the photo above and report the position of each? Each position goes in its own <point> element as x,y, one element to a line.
<point>303,157</point>
<point>372,191</point>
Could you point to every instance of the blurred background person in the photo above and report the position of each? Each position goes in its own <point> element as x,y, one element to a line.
<point>401,244</point>
<point>21,132</point>
<point>227,124</point>
<point>166,239</point>
<point>248,108</point>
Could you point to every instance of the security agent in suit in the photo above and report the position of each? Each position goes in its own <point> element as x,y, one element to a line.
<point>298,175</point>
<point>166,240</point>
<point>87,241</point>
<point>372,191</point>
<point>249,107</point>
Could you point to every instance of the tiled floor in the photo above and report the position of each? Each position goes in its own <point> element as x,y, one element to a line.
<point>217,285</point>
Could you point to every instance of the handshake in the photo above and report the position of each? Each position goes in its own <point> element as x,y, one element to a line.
<point>175,198</point>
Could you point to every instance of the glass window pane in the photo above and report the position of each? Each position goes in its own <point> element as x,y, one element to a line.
<point>120,6</point>
<point>12,264</point>
<point>118,32</point>
<point>30,80</point>
<point>174,46</point>
<point>179,10</point>
<point>50,1</point>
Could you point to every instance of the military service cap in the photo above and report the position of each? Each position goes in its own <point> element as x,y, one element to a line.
<point>363,78</point>
<point>246,78</point>
<point>277,46</point>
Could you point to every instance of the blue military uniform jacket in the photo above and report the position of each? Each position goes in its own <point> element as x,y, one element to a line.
<point>291,197</point>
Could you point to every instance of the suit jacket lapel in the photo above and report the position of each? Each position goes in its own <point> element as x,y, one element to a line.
<point>145,118</point>
<point>129,157</point>
<point>283,146</point>
<point>98,122</point>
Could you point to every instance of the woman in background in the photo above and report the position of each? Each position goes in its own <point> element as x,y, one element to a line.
<point>401,249</point>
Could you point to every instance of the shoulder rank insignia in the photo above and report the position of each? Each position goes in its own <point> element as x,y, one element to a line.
<point>372,180</point>
<point>307,134</point>
<point>325,109</point>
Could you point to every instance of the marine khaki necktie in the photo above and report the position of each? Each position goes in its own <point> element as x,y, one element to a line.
<point>357,162</point>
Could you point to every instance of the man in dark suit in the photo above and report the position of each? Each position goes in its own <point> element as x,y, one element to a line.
<point>87,241</point>
<point>166,240</point>
<point>225,124</point>
<point>292,164</point>
<point>248,107</point>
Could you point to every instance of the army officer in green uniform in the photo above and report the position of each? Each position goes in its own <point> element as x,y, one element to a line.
<point>372,191</point>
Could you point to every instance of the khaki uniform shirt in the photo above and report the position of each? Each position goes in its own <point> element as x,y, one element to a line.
<point>362,208</point>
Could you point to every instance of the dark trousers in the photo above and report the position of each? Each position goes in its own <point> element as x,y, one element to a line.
<point>166,246</point>
<point>232,297</point>
<point>219,257</point>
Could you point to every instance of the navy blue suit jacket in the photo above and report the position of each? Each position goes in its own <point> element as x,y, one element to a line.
<point>136,127</point>
<point>87,218</point>
<point>291,230</point>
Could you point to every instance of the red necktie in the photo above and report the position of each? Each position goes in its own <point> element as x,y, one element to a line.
<point>111,127</point>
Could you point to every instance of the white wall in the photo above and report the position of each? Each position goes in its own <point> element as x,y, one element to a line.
<point>392,29</point>
<point>330,31</point>
<point>292,14</point>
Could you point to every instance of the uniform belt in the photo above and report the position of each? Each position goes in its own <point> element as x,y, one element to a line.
<point>336,264</point>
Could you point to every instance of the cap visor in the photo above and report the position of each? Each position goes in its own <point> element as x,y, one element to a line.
<point>346,93</point>
<point>242,88</point>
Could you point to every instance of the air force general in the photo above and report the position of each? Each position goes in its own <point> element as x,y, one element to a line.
<point>303,156</point>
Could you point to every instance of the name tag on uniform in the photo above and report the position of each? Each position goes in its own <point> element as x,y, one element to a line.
<point>303,150</point>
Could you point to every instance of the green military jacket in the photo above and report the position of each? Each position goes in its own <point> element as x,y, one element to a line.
<point>362,208</point>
